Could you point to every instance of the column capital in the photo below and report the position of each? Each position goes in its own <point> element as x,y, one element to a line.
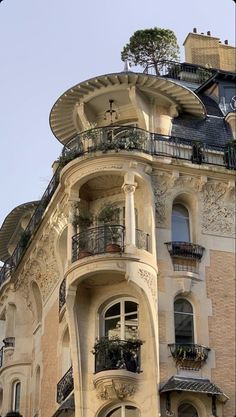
<point>129,187</point>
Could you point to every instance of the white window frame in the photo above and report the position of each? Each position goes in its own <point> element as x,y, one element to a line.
<point>16,395</point>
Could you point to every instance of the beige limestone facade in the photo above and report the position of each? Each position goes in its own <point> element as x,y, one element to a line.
<point>118,299</point>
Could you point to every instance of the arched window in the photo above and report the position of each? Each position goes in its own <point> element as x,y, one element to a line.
<point>65,354</point>
<point>184,326</point>
<point>180,224</point>
<point>187,410</point>
<point>120,319</point>
<point>38,301</point>
<point>37,390</point>
<point>16,388</point>
<point>124,411</point>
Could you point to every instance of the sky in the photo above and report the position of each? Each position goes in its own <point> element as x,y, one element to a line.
<point>48,46</point>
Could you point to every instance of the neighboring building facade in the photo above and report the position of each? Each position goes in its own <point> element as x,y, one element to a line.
<point>117,299</point>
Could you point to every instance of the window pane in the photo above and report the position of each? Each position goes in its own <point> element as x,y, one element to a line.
<point>131,411</point>
<point>16,396</point>
<point>183,328</point>
<point>130,307</point>
<point>131,326</point>
<point>183,306</point>
<point>112,328</point>
<point>113,310</point>
<point>187,410</point>
<point>115,413</point>
<point>180,224</point>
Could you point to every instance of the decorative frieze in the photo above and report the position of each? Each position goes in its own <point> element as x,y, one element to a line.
<point>115,387</point>
<point>149,278</point>
<point>218,210</point>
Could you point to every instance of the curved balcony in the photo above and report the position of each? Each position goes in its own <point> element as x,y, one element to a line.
<point>65,386</point>
<point>111,354</point>
<point>98,240</point>
<point>189,356</point>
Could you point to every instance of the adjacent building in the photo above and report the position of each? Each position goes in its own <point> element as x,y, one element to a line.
<point>117,292</point>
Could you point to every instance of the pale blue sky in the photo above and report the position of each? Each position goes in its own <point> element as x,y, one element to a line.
<point>49,45</point>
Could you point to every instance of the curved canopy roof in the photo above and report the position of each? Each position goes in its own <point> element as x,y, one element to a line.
<point>10,224</point>
<point>62,118</point>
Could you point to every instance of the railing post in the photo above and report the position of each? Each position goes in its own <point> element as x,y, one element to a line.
<point>129,188</point>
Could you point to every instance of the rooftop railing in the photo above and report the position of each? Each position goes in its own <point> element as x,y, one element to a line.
<point>115,139</point>
<point>181,71</point>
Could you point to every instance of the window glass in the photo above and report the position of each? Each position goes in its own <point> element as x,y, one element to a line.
<point>16,396</point>
<point>121,320</point>
<point>187,410</point>
<point>183,317</point>
<point>124,411</point>
<point>180,224</point>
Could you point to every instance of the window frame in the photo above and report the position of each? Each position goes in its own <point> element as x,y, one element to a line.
<point>189,404</point>
<point>190,232</point>
<point>190,314</point>
<point>16,395</point>
<point>115,301</point>
<point>122,407</point>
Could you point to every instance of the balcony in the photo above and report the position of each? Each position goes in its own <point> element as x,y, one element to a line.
<point>189,356</point>
<point>65,386</point>
<point>113,354</point>
<point>185,256</point>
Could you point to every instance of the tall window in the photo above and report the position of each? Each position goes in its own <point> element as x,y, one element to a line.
<point>16,387</point>
<point>124,411</point>
<point>184,329</point>
<point>187,410</point>
<point>120,319</point>
<point>180,224</point>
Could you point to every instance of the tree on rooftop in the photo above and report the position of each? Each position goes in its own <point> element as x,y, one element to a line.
<point>150,47</point>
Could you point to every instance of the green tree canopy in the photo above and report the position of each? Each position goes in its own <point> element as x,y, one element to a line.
<point>149,47</point>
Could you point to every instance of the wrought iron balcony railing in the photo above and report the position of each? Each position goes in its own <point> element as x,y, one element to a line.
<point>1,356</point>
<point>96,240</point>
<point>65,386</point>
<point>130,138</point>
<point>181,71</point>
<point>117,354</point>
<point>189,356</point>
<point>185,250</point>
<point>62,294</point>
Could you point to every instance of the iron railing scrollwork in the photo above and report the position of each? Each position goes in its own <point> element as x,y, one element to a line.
<point>97,240</point>
<point>117,354</point>
<point>65,386</point>
<point>62,294</point>
<point>185,250</point>
<point>189,355</point>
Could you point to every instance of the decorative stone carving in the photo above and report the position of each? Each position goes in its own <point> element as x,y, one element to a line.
<point>160,184</point>
<point>218,215</point>
<point>41,267</point>
<point>150,280</point>
<point>113,389</point>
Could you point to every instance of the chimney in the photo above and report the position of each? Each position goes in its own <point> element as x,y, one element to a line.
<point>209,33</point>
<point>194,30</point>
<point>226,42</point>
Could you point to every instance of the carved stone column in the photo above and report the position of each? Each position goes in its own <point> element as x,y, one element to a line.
<point>129,188</point>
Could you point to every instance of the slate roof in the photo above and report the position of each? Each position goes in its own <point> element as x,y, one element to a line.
<point>68,405</point>
<point>197,385</point>
<point>212,130</point>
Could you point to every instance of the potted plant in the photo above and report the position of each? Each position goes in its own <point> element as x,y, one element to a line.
<point>230,154</point>
<point>109,215</point>
<point>84,219</point>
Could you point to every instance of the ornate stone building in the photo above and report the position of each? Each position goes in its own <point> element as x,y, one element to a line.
<point>117,288</point>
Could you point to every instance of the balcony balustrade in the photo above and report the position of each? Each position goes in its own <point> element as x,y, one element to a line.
<point>65,386</point>
<point>189,356</point>
<point>185,256</point>
<point>114,354</point>
<point>62,294</point>
<point>97,240</point>
<point>119,138</point>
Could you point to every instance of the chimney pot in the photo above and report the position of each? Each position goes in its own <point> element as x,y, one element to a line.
<point>209,33</point>
<point>194,30</point>
<point>226,42</point>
